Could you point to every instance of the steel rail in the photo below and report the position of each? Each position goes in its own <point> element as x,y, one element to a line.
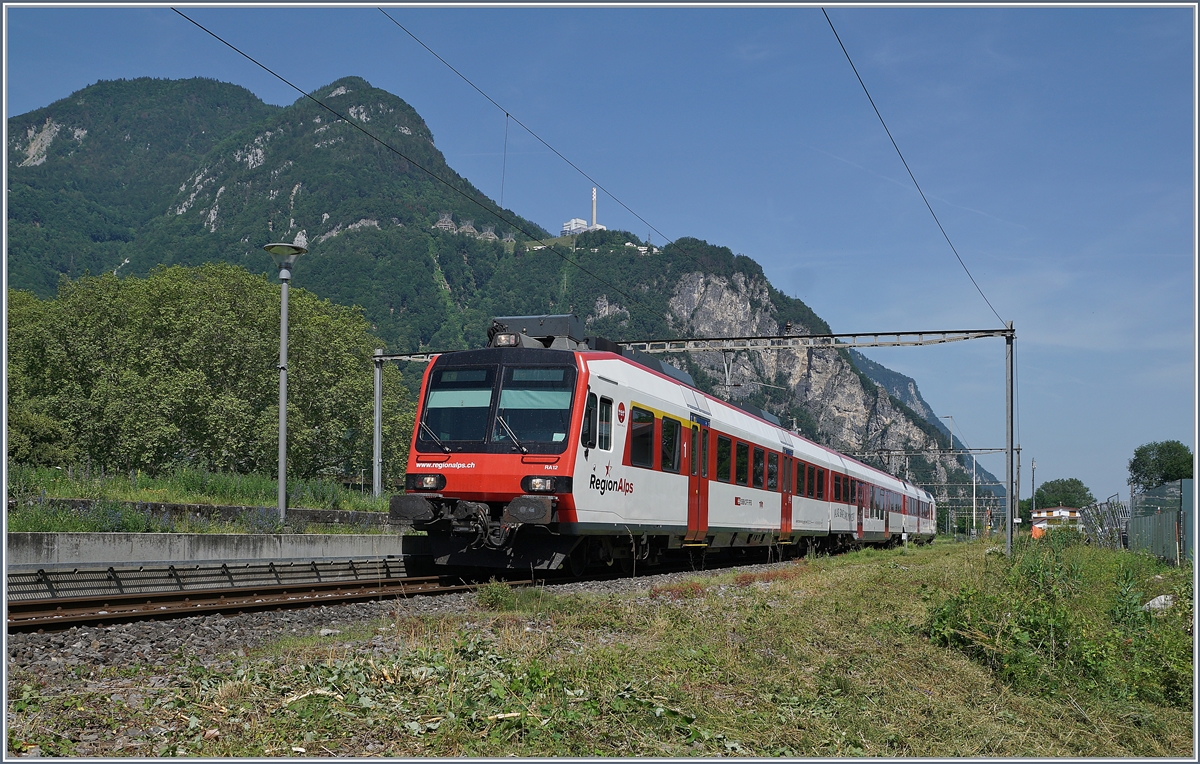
<point>63,612</point>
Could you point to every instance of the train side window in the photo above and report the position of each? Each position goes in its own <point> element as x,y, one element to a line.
<point>695,448</point>
<point>670,442</point>
<point>820,484</point>
<point>799,478</point>
<point>743,464</point>
<point>811,485</point>
<point>641,437</point>
<point>759,466</point>
<point>604,440</point>
<point>587,437</point>
<point>724,457</point>
<point>704,454</point>
<point>837,487</point>
<point>772,471</point>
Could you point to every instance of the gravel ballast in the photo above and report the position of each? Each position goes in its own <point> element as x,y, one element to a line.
<point>215,639</point>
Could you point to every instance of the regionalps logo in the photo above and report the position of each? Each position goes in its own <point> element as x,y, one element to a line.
<point>606,485</point>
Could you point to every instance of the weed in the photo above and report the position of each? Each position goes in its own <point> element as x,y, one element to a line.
<point>496,595</point>
<point>1063,618</point>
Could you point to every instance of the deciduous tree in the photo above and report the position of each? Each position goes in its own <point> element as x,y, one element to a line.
<point>179,368</point>
<point>1159,462</point>
<point>1064,492</point>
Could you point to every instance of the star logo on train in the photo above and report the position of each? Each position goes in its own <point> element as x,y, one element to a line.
<point>608,469</point>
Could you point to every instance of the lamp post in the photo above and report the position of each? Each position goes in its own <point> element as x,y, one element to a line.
<point>284,256</point>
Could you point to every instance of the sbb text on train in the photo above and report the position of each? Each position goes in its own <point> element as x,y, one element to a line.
<point>546,449</point>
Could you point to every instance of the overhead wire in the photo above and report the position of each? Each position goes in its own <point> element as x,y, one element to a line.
<point>908,169</point>
<point>406,158</point>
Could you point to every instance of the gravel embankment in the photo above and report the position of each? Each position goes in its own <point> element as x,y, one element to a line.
<point>217,639</point>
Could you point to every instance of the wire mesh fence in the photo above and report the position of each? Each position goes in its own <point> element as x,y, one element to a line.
<point>1162,522</point>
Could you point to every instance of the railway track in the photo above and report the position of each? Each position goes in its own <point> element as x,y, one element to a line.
<point>54,613</point>
<point>42,600</point>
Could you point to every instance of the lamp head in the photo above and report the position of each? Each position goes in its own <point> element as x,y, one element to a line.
<point>284,254</point>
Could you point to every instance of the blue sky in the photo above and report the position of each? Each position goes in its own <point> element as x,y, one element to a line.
<point>1055,144</point>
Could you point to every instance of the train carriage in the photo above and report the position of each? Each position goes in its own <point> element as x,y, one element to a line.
<point>545,450</point>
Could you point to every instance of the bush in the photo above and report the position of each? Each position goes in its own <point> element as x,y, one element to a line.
<point>1062,616</point>
<point>496,595</point>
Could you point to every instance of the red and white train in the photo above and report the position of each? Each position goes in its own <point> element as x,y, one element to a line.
<point>543,451</point>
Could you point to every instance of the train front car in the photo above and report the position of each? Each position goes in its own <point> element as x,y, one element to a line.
<point>491,460</point>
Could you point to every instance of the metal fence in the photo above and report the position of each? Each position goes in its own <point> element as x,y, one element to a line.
<point>1162,522</point>
<point>1105,522</point>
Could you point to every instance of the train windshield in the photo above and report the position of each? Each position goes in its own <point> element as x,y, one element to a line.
<point>458,405</point>
<point>535,406</point>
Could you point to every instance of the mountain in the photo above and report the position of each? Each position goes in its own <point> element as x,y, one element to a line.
<point>129,175</point>
<point>904,389</point>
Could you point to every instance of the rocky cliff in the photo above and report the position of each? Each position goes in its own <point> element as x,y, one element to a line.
<point>819,392</point>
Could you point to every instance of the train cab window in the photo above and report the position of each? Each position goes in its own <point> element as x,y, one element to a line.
<point>773,471</point>
<point>672,435</point>
<point>535,406</point>
<point>457,406</point>
<point>759,466</point>
<point>587,436</point>
<point>704,454</point>
<point>604,433</point>
<point>743,464</point>
<point>641,437</point>
<point>724,457</point>
<point>811,484</point>
<point>695,448</point>
<point>820,484</point>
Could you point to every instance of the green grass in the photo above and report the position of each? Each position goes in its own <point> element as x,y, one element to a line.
<point>185,486</point>
<point>828,657</point>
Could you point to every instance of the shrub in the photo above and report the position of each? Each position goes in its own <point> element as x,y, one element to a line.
<point>1067,617</point>
<point>496,595</point>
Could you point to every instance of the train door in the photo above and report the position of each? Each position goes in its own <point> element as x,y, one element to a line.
<point>860,498</point>
<point>889,503</point>
<point>785,498</point>
<point>698,483</point>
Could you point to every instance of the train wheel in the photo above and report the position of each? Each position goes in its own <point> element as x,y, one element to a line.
<point>577,561</point>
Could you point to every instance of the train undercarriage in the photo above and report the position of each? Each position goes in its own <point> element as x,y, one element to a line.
<point>524,534</point>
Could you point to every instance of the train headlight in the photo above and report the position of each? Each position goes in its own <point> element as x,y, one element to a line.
<point>506,340</point>
<point>424,482</point>
<point>538,484</point>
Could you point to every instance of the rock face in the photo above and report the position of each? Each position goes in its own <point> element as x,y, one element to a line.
<point>845,409</point>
